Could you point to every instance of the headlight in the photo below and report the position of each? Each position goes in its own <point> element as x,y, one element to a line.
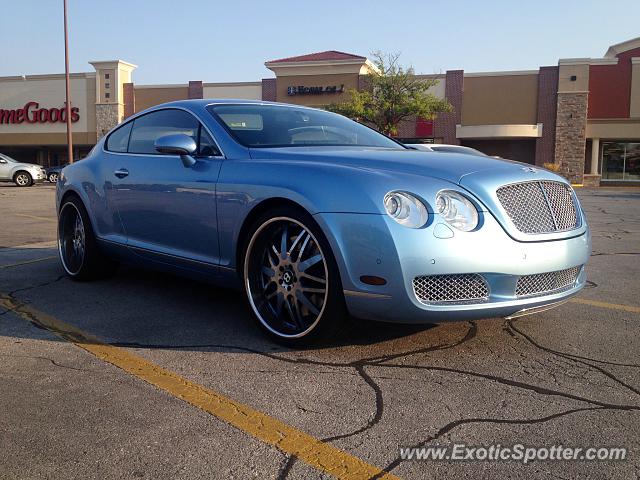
<point>406,209</point>
<point>457,210</point>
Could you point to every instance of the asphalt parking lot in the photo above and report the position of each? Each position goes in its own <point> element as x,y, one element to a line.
<point>146,375</point>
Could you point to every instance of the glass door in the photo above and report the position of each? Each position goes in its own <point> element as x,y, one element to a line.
<point>621,161</point>
<point>632,162</point>
<point>613,160</point>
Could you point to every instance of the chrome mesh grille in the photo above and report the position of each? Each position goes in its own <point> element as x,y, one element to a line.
<point>458,288</point>
<point>546,283</point>
<point>562,205</point>
<point>539,207</point>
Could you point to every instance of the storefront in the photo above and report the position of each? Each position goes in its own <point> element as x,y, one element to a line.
<point>621,161</point>
<point>582,114</point>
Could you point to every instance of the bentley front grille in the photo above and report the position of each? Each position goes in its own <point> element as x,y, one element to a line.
<point>547,283</point>
<point>539,207</point>
<point>457,288</point>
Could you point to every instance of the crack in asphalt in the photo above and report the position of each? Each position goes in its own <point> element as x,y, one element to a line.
<point>497,421</point>
<point>361,366</point>
<point>576,358</point>
<point>32,287</point>
<point>380,362</point>
<point>50,360</point>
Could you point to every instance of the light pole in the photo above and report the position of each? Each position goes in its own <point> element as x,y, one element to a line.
<point>67,86</point>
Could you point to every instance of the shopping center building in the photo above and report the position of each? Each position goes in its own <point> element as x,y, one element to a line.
<point>583,113</point>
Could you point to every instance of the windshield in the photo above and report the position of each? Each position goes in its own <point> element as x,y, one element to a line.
<point>285,126</point>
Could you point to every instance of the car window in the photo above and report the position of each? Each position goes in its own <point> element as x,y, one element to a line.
<point>118,139</point>
<point>206,146</point>
<point>148,128</point>
<point>279,126</point>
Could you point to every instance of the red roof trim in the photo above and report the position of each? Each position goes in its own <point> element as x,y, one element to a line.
<point>320,56</point>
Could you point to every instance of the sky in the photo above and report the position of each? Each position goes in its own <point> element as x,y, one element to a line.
<point>222,41</point>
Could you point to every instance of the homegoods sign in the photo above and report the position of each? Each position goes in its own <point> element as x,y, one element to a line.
<point>33,113</point>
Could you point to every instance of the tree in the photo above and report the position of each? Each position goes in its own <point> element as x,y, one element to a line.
<point>393,94</point>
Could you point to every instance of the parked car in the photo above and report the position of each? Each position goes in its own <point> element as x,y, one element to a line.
<point>20,173</point>
<point>441,147</point>
<point>313,215</point>
<point>52,173</point>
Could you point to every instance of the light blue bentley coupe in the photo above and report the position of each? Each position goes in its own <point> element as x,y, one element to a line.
<point>315,216</point>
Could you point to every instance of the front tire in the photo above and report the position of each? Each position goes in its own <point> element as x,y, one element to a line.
<point>53,177</point>
<point>23,179</point>
<point>291,279</point>
<point>79,253</point>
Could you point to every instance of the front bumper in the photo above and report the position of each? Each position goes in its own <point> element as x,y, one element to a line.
<point>38,176</point>
<point>375,245</point>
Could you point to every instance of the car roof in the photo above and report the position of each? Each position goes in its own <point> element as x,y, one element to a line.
<point>203,102</point>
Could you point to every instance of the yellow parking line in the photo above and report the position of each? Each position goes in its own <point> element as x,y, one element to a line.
<point>46,219</point>
<point>314,452</point>
<point>11,265</point>
<point>612,306</point>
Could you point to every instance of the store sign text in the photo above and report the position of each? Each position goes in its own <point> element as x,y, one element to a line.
<point>302,90</point>
<point>32,113</point>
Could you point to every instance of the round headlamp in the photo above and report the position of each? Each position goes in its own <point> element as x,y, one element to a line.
<point>457,210</point>
<point>406,209</point>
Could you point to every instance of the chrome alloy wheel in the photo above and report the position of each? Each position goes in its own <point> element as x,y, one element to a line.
<point>71,239</point>
<point>53,177</point>
<point>22,179</point>
<point>286,275</point>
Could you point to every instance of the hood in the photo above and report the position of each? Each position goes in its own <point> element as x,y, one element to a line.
<point>28,165</point>
<point>451,167</point>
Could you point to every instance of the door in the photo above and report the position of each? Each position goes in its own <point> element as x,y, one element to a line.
<point>167,210</point>
<point>5,169</point>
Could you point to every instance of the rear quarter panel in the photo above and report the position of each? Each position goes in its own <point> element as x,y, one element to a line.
<point>87,179</point>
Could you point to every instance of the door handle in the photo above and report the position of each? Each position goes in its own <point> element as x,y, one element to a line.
<point>123,172</point>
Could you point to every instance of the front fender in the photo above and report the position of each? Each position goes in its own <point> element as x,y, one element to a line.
<point>316,187</point>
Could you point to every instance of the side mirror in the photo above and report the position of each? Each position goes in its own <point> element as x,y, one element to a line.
<point>178,144</point>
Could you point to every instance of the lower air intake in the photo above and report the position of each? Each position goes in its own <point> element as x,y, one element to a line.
<point>547,283</point>
<point>443,289</point>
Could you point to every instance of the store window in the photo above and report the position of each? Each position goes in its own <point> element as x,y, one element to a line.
<point>621,161</point>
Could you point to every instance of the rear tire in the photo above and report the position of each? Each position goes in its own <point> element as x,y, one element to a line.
<point>291,279</point>
<point>80,256</point>
<point>53,177</point>
<point>23,179</point>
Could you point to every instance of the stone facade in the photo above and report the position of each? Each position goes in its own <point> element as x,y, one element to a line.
<point>571,123</point>
<point>108,115</point>
<point>591,180</point>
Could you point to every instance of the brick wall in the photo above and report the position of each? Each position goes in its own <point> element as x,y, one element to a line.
<point>571,123</point>
<point>195,89</point>
<point>445,123</point>
<point>407,128</point>
<point>129,99</point>
<point>269,89</point>
<point>547,103</point>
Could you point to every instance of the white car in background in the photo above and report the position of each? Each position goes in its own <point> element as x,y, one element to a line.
<point>22,174</point>
<point>439,147</point>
